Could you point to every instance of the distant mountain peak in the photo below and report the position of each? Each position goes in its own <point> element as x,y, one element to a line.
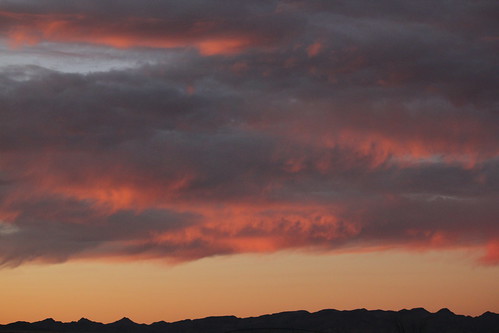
<point>84,320</point>
<point>445,311</point>
<point>489,314</point>
<point>125,321</point>
<point>420,309</point>
<point>47,321</point>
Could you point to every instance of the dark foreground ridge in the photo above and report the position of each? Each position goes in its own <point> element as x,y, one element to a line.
<point>326,321</point>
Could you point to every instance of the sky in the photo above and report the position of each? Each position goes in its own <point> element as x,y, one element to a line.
<point>164,160</point>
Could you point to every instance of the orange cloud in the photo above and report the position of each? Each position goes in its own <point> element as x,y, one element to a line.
<point>207,36</point>
<point>491,256</point>
<point>314,49</point>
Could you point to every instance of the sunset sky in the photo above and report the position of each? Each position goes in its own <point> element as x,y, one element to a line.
<point>164,160</point>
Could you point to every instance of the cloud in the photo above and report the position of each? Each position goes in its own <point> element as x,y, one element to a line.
<point>332,129</point>
<point>56,228</point>
<point>212,30</point>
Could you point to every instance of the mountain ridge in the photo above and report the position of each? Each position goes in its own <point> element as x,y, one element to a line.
<point>417,320</point>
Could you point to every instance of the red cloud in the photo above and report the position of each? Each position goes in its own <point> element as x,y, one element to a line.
<point>491,256</point>
<point>209,37</point>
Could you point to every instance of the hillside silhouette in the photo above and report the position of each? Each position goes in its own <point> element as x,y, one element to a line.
<point>416,320</point>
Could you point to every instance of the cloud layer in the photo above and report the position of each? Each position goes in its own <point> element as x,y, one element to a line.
<point>269,125</point>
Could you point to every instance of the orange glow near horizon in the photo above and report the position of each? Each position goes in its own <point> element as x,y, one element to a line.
<point>247,285</point>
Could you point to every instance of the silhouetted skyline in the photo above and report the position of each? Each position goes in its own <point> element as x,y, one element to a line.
<point>414,320</point>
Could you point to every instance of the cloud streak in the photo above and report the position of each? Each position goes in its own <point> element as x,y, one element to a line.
<point>321,127</point>
<point>210,29</point>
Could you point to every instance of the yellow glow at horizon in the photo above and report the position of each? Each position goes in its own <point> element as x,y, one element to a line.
<point>247,285</point>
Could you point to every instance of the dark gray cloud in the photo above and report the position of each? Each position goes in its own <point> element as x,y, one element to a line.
<point>57,228</point>
<point>337,125</point>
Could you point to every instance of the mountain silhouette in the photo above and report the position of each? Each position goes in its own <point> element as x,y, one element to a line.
<point>124,322</point>
<point>417,320</point>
